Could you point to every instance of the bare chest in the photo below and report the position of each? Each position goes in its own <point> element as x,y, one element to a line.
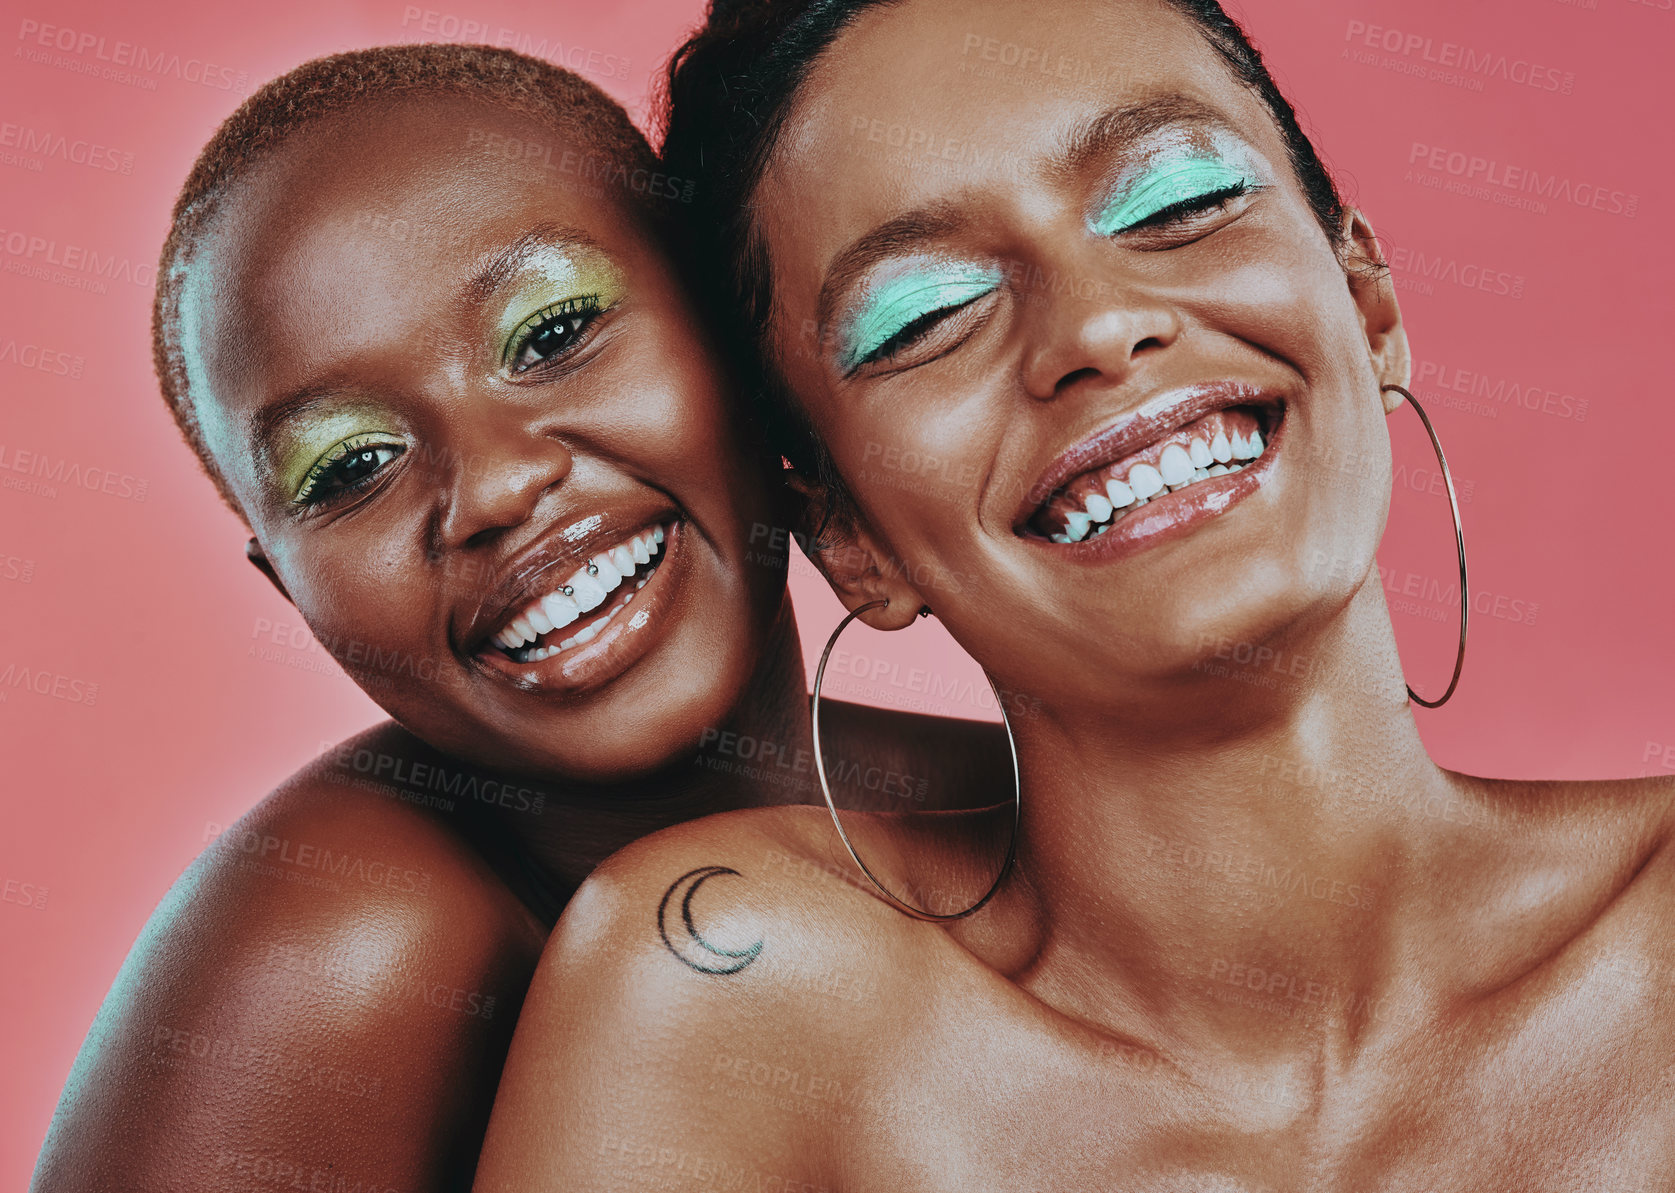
<point>1574,1102</point>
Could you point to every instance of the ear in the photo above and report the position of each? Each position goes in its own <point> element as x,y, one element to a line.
<point>854,562</point>
<point>1374,293</point>
<point>259,560</point>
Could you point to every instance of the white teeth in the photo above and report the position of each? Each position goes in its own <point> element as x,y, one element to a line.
<point>1119,494</point>
<point>1145,480</point>
<point>560,609</point>
<point>588,589</point>
<point>605,572</point>
<point>589,594</point>
<point>1175,465</point>
<point>586,633</point>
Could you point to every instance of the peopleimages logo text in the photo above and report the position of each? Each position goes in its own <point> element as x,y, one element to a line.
<point>162,63</point>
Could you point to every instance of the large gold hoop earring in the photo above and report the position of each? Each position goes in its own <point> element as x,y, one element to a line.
<point>1459,543</point>
<point>831,805</point>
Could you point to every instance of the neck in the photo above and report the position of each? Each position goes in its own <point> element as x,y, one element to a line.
<point>584,824</point>
<point>1267,832</point>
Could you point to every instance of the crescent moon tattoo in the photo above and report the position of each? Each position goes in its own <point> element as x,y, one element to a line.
<point>687,943</point>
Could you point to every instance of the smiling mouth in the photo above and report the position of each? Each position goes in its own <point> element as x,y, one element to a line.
<point>1200,455</point>
<point>577,609</point>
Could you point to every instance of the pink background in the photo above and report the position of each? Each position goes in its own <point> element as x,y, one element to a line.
<point>209,691</point>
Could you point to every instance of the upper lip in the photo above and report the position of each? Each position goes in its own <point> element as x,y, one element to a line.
<point>1148,422</point>
<point>536,569</point>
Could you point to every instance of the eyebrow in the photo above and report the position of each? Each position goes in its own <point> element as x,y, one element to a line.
<point>275,414</point>
<point>502,265</point>
<point>1090,140</point>
<point>1098,138</point>
<point>507,261</point>
<point>886,240</point>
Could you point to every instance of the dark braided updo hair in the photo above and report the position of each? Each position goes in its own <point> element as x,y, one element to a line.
<point>728,93</point>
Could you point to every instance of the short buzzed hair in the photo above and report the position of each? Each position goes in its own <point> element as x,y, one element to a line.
<point>564,101</point>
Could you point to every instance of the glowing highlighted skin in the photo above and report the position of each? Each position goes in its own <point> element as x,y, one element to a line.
<point>1175,177</point>
<point>898,302</point>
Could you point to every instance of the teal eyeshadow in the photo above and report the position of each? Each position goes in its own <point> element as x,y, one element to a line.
<point>903,300</point>
<point>1172,182</point>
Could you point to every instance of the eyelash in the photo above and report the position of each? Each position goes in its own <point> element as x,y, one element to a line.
<point>1198,204</point>
<point>585,309</point>
<point>1172,214</point>
<point>310,496</point>
<point>909,334</point>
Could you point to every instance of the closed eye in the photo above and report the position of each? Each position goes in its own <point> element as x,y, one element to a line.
<point>1197,205</point>
<point>1172,191</point>
<point>908,336</point>
<point>906,309</point>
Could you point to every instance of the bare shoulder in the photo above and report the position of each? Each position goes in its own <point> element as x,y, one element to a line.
<point>733,910</point>
<point>336,952</point>
<point>700,997</point>
<point>1568,869</point>
<point>1631,818</point>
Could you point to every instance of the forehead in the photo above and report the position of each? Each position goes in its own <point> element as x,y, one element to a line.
<point>919,101</point>
<point>382,209</point>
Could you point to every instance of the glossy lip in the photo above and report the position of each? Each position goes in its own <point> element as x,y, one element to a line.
<point>1178,514</point>
<point>1149,422</point>
<point>563,550</point>
<point>628,638</point>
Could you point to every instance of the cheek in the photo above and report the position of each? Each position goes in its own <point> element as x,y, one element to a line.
<point>684,438</point>
<point>913,466</point>
<point>353,594</point>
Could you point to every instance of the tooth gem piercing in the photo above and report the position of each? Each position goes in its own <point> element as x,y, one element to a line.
<point>1459,544</point>
<point>592,568</point>
<point>831,805</point>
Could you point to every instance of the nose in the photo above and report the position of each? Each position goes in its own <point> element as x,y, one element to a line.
<point>1092,330</point>
<point>500,473</point>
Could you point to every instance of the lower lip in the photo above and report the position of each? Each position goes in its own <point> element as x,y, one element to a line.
<point>633,631</point>
<point>1163,519</point>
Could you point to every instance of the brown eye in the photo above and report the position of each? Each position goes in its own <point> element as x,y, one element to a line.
<point>348,468</point>
<point>551,332</point>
